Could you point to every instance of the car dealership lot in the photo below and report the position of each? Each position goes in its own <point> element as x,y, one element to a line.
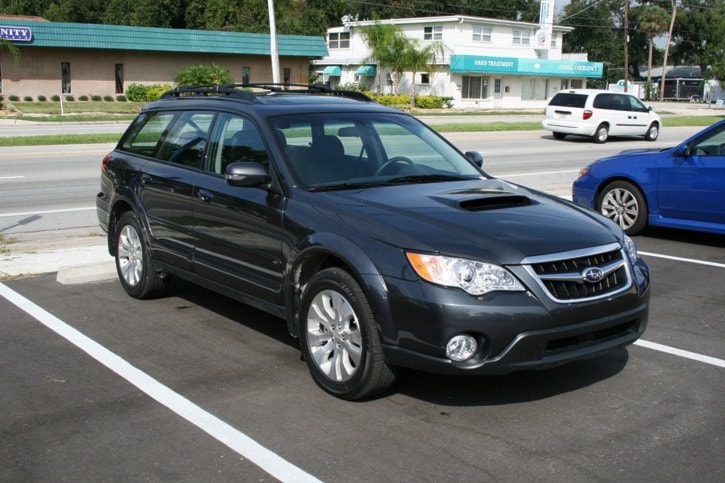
<point>634,414</point>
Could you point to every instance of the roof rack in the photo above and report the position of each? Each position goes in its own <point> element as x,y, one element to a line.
<point>238,90</point>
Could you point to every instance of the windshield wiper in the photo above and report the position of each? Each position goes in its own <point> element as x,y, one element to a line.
<point>347,186</point>
<point>424,178</point>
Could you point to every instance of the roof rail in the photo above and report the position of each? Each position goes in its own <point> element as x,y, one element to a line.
<point>238,90</point>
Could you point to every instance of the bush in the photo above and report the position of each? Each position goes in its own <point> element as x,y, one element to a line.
<point>96,98</point>
<point>121,98</point>
<point>55,98</point>
<point>14,98</point>
<point>108,98</point>
<point>399,101</point>
<point>429,102</point>
<point>28,99</point>
<point>83,98</point>
<point>42,98</point>
<point>70,98</point>
<point>203,75</point>
<point>144,93</point>
<point>136,92</point>
<point>156,91</point>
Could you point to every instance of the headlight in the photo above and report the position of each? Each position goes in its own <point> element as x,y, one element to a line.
<point>474,277</point>
<point>631,248</point>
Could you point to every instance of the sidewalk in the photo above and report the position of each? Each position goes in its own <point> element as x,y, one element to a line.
<point>78,255</point>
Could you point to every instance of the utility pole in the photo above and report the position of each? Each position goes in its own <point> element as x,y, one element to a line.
<point>626,44</point>
<point>273,43</point>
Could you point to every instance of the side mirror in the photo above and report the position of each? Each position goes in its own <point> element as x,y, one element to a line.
<point>682,151</point>
<point>475,157</point>
<point>246,173</point>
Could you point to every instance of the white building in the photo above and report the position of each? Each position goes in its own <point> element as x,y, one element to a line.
<point>487,63</point>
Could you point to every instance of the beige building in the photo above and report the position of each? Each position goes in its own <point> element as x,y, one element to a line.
<point>88,59</point>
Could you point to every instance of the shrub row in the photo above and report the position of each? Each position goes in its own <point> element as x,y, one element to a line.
<point>69,98</point>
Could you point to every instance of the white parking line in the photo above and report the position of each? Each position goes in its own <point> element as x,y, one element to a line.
<point>679,352</point>
<point>46,212</point>
<point>268,461</point>
<point>680,259</point>
<point>11,177</point>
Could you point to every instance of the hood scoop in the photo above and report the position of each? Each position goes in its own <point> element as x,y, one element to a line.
<point>495,202</point>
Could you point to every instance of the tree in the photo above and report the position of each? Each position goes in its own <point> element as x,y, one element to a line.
<point>699,36</point>
<point>386,45</point>
<point>417,58</point>
<point>203,75</point>
<point>652,20</point>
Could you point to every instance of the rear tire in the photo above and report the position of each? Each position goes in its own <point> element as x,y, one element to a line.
<point>601,134</point>
<point>623,203</point>
<point>133,261</point>
<point>339,337</point>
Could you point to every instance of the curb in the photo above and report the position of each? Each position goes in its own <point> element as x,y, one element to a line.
<point>95,272</point>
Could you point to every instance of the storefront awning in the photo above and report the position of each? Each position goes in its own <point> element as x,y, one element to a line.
<point>366,71</point>
<point>333,71</point>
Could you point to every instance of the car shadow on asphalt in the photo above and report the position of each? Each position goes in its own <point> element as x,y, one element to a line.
<point>439,389</point>
<point>515,387</point>
<point>685,236</point>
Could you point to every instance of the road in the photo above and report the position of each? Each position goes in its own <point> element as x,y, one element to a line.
<point>49,187</point>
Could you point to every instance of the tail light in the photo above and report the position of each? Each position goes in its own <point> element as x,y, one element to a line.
<point>104,163</point>
<point>587,114</point>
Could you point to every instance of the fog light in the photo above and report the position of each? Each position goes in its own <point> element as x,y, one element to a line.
<point>461,347</point>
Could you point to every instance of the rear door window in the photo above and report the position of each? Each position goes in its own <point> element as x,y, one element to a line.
<point>185,141</point>
<point>567,99</point>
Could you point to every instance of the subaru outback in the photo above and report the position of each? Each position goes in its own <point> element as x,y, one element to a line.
<point>378,242</point>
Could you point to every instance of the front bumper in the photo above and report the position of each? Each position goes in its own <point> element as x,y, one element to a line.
<point>515,331</point>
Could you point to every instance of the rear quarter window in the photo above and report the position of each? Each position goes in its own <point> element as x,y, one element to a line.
<point>566,99</point>
<point>144,134</point>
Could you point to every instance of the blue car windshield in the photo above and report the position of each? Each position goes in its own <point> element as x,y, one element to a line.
<point>350,150</point>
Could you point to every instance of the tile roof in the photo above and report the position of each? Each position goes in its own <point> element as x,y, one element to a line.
<point>119,37</point>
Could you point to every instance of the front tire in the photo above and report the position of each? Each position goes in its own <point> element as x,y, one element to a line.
<point>624,204</point>
<point>339,337</point>
<point>133,262</point>
<point>652,133</point>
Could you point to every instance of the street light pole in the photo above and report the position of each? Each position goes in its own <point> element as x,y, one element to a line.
<point>273,43</point>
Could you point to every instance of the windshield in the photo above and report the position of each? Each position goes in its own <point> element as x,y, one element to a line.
<point>355,150</point>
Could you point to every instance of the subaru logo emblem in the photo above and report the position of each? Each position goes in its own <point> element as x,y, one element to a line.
<point>592,274</point>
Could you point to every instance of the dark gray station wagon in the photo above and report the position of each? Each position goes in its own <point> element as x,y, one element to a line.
<point>379,243</point>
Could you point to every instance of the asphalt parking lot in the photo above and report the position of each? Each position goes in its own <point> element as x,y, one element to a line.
<point>193,386</point>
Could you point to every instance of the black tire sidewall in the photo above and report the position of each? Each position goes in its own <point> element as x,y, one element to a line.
<point>642,212</point>
<point>338,280</point>
<point>145,287</point>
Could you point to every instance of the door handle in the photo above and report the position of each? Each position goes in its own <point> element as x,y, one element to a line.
<point>204,196</point>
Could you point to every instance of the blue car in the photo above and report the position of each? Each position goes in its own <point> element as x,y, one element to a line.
<point>681,187</point>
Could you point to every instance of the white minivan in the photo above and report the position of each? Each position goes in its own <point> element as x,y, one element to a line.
<point>600,114</point>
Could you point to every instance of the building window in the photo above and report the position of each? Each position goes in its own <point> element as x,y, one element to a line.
<point>65,78</point>
<point>497,86</point>
<point>521,37</point>
<point>482,34</point>
<point>553,41</point>
<point>245,75</point>
<point>339,40</point>
<point>425,78</point>
<point>434,32</point>
<point>474,87</point>
<point>287,75</point>
<point>119,78</point>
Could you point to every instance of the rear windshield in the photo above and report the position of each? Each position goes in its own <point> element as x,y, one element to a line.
<point>567,99</point>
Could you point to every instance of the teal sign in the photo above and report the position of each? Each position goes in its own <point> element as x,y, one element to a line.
<point>472,64</point>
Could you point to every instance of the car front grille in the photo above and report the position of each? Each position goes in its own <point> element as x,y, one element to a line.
<point>581,275</point>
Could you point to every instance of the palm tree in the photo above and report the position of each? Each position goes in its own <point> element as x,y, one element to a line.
<point>417,59</point>
<point>652,20</point>
<point>387,44</point>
